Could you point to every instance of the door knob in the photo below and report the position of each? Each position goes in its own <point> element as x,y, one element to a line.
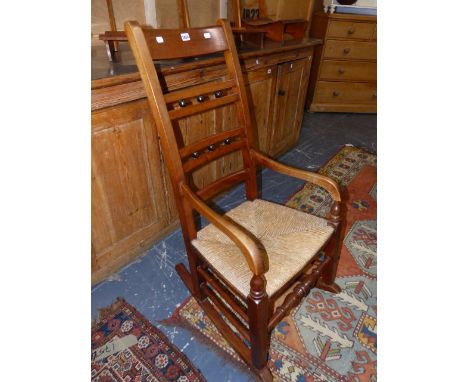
<point>336,93</point>
<point>341,70</point>
<point>281,92</point>
<point>346,50</point>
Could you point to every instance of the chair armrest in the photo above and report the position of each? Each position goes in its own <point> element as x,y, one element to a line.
<point>327,183</point>
<point>256,257</point>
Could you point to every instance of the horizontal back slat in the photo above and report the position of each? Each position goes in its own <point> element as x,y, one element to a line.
<point>203,106</point>
<point>223,183</point>
<point>210,140</point>
<point>198,90</point>
<point>195,163</point>
<point>180,43</point>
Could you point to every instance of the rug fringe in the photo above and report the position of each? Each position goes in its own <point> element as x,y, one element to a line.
<point>106,312</point>
<point>175,317</point>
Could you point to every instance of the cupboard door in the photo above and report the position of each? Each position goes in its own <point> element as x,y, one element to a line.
<point>129,190</point>
<point>260,86</point>
<point>288,111</point>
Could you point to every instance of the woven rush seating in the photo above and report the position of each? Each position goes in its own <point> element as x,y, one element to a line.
<point>290,237</point>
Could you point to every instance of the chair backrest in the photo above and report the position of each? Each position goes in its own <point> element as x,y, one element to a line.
<point>182,160</point>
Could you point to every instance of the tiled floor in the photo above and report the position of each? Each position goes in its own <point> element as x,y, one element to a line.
<point>151,283</point>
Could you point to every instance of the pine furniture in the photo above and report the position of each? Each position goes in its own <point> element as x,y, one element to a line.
<point>344,73</point>
<point>251,266</point>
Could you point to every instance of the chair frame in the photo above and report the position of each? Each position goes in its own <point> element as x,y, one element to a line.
<point>255,316</point>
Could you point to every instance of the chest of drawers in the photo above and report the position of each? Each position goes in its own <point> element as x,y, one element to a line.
<point>344,73</point>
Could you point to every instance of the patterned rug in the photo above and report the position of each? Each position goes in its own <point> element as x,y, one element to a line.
<point>327,337</point>
<point>125,347</point>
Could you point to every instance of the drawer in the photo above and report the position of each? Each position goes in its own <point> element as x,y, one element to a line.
<point>345,92</point>
<point>348,70</point>
<point>252,63</point>
<point>259,74</point>
<point>359,50</point>
<point>351,30</point>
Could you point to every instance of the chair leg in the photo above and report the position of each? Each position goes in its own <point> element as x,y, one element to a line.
<point>327,280</point>
<point>195,278</point>
<point>265,375</point>
<point>258,310</point>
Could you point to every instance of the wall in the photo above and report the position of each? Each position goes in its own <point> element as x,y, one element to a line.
<point>201,13</point>
<point>123,10</point>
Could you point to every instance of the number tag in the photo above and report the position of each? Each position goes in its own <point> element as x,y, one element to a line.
<point>159,39</point>
<point>207,35</point>
<point>185,36</point>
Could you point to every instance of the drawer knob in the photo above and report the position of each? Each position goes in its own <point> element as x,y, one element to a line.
<point>346,50</point>
<point>183,103</point>
<point>336,93</point>
<point>341,70</point>
<point>281,92</point>
<point>195,155</point>
<point>211,148</point>
<point>351,30</point>
<point>200,98</point>
<point>218,94</point>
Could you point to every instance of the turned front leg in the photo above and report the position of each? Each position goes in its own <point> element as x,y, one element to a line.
<point>258,311</point>
<point>327,280</point>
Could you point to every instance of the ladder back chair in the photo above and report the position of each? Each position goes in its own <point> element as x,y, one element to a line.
<point>255,263</point>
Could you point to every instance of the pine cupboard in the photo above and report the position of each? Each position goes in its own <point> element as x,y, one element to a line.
<point>132,202</point>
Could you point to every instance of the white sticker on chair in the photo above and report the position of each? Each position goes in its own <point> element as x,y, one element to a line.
<point>159,39</point>
<point>207,35</point>
<point>185,36</point>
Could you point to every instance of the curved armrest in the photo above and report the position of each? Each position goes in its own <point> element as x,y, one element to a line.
<point>327,183</point>
<point>256,257</point>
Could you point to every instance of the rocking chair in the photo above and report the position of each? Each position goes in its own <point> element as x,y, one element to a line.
<point>251,266</point>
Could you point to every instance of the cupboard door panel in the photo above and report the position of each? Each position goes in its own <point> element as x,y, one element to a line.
<point>194,129</point>
<point>260,89</point>
<point>289,106</point>
<point>128,192</point>
<point>225,121</point>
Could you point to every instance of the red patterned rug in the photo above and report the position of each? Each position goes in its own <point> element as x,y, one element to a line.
<point>328,337</point>
<point>125,347</point>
